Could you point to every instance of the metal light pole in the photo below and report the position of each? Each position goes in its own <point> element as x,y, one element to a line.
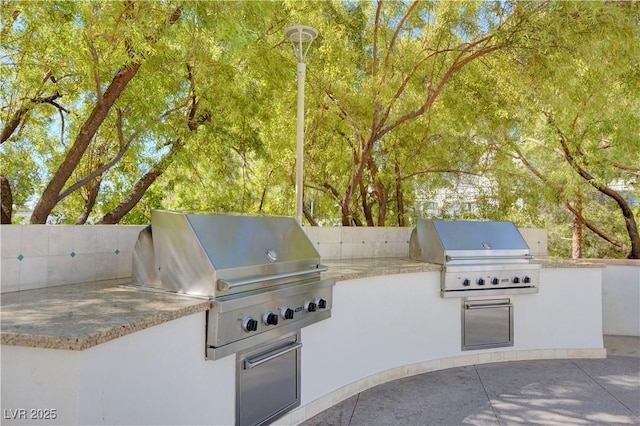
<point>301,37</point>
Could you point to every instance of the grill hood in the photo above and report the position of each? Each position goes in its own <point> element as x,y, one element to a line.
<point>445,242</point>
<point>216,255</point>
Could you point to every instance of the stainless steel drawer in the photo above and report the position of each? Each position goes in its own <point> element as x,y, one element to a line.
<point>487,323</point>
<point>268,381</point>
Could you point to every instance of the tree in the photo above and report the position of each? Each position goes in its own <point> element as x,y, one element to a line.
<point>112,109</point>
<point>135,78</point>
<point>404,62</point>
<point>581,136</point>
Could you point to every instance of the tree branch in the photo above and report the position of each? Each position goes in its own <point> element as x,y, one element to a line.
<point>594,229</point>
<point>12,124</point>
<point>123,147</point>
<point>627,213</point>
<point>87,131</point>
<point>141,186</point>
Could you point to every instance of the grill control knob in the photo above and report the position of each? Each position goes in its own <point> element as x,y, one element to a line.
<point>321,303</point>
<point>495,280</point>
<point>526,279</point>
<point>249,324</point>
<point>310,306</point>
<point>480,281</point>
<point>466,282</point>
<point>515,280</point>
<point>287,313</point>
<point>269,318</point>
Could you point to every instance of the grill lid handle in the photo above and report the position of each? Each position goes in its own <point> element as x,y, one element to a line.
<point>228,284</point>
<point>524,256</point>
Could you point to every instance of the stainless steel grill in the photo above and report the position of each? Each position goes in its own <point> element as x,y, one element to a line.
<point>479,258</point>
<point>261,273</point>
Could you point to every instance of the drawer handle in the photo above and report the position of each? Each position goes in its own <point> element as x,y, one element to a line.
<point>488,306</point>
<point>252,363</point>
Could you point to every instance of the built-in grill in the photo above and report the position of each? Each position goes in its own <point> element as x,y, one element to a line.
<point>263,278</point>
<point>479,258</point>
<point>261,273</point>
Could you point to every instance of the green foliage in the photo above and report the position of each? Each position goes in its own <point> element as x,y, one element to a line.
<point>430,103</point>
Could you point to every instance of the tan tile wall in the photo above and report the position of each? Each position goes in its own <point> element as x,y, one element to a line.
<point>36,256</point>
<point>364,242</point>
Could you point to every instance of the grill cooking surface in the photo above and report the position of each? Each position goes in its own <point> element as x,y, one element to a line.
<point>261,274</point>
<point>478,257</point>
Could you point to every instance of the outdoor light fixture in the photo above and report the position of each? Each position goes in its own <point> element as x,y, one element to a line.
<point>301,37</point>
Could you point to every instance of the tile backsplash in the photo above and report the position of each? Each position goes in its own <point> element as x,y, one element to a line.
<point>359,242</point>
<point>36,256</point>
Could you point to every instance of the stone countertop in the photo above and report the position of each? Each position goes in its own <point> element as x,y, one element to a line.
<point>556,262</point>
<point>350,269</point>
<point>79,316</point>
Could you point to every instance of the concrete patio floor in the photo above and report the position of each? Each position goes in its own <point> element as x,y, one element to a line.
<point>546,392</point>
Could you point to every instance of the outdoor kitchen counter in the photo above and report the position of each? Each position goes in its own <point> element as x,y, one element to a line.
<point>80,316</point>
<point>349,269</point>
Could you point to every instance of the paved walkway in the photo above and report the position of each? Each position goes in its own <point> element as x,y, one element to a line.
<point>545,392</point>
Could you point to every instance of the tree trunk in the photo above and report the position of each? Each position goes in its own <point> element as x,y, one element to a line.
<point>576,236</point>
<point>309,216</point>
<point>378,191</point>
<point>399,196</point>
<point>90,202</point>
<point>49,197</point>
<point>366,206</point>
<point>105,101</point>
<point>6,197</point>
<point>263,197</point>
<point>344,214</point>
<point>627,213</point>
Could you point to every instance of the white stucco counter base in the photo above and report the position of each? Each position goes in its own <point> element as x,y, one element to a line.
<point>388,327</point>
<point>151,377</point>
<point>388,321</point>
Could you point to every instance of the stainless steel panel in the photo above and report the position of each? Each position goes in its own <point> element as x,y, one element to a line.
<point>487,323</point>
<point>227,313</point>
<point>216,255</point>
<point>250,363</point>
<point>271,387</point>
<point>453,277</point>
<point>232,241</point>
<point>144,271</point>
<point>214,353</point>
<point>425,244</point>
<point>228,284</point>
<point>180,260</point>
<point>441,242</point>
<point>488,292</point>
<point>479,235</point>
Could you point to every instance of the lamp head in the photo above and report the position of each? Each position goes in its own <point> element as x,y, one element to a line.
<point>301,37</point>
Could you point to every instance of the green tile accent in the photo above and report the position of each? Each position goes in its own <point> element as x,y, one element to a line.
<point>72,254</point>
<point>20,257</point>
<point>117,251</point>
